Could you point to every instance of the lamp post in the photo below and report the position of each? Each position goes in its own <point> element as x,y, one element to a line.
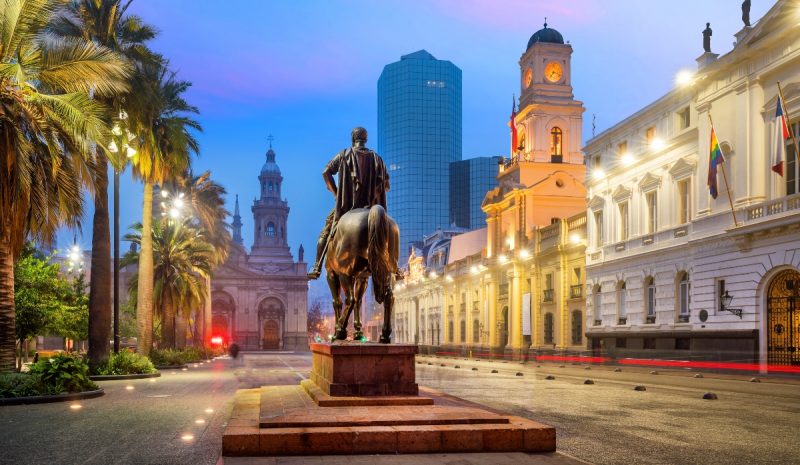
<point>123,137</point>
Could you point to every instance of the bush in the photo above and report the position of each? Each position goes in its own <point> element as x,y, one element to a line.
<point>194,354</point>
<point>167,357</point>
<point>126,362</point>
<point>64,373</point>
<point>21,385</point>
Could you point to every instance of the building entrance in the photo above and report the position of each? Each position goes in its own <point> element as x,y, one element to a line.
<point>783,319</point>
<point>271,339</point>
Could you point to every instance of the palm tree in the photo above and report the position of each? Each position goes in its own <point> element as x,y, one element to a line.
<point>207,200</point>
<point>48,123</point>
<point>182,260</point>
<point>161,116</point>
<point>104,22</point>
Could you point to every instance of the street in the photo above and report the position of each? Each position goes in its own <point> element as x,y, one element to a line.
<point>178,418</point>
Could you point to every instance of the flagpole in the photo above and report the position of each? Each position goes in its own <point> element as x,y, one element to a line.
<point>788,121</point>
<point>725,178</point>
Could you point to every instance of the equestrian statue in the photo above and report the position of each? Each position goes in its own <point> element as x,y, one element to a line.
<point>359,239</point>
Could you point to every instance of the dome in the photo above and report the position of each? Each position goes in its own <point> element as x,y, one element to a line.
<point>546,35</point>
<point>270,166</point>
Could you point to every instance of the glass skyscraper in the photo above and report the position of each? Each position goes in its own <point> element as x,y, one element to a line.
<point>470,180</point>
<point>419,135</point>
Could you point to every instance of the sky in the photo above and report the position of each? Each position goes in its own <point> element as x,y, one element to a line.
<point>306,73</point>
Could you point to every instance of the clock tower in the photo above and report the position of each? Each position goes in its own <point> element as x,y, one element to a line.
<point>550,120</point>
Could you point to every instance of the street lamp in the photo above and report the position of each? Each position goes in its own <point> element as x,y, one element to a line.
<point>119,141</point>
<point>75,257</point>
<point>725,300</point>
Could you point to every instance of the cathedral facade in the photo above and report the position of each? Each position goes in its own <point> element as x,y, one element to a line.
<point>260,299</point>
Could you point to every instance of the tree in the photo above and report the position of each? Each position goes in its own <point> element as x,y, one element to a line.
<point>105,22</point>
<point>166,145</point>
<point>207,200</point>
<point>182,258</point>
<point>317,321</point>
<point>48,123</point>
<point>71,319</point>
<point>36,295</point>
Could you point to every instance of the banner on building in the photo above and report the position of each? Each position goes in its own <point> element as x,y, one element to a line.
<point>526,314</point>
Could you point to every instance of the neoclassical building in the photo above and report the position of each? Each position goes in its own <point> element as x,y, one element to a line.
<point>672,271</point>
<point>516,285</point>
<point>259,299</point>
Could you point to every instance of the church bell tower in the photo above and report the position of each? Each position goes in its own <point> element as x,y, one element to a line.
<point>270,214</point>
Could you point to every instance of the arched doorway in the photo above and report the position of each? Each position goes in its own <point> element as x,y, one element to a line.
<point>271,339</point>
<point>223,311</point>
<point>783,319</point>
<point>271,321</point>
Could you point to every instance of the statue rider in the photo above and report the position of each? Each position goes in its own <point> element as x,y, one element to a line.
<point>363,183</point>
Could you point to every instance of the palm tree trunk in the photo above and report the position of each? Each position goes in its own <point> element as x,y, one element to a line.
<point>144,302</point>
<point>206,337</point>
<point>8,337</point>
<point>100,276</point>
<point>167,320</point>
<point>180,330</point>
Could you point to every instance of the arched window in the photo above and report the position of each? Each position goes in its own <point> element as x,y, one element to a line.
<point>548,328</point>
<point>650,298</point>
<point>270,229</point>
<point>577,327</point>
<point>622,304</point>
<point>683,296</point>
<point>556,144</point>
<point>271,187</point>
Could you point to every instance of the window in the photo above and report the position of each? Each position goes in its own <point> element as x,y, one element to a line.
<point>622,304</point>
<point>792,168</point>
<point>476,331</point>
<point>683,118</point>
<point>271,187</point>
<point>548,281</point>
<point>649,343</point>
<point>548,328</point>
<point>624,222</point>
<point>597,302</point>
<point>684,204</point>
<point>577,327</point>
<point>598,228</point>
<point>621,343</point>
<point>720,293</point>
<point>554,220</point>
<point>650,135</point>
<point>683,296</point>
<point>555,142</point>
<point>450,330</point>
<point>652,212</point>
<point>622,148</point>
<point>270,229</point>
<point>650,298</point>
<point>463,335</point>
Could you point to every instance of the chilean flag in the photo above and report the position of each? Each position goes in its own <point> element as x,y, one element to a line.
<point>781,136</point>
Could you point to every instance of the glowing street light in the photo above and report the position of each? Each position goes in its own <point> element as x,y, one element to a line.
<point>575,238</point>
<point>657,143</point>
<point>598,174</point>
<point>684,78</point>
<point>627,159</point>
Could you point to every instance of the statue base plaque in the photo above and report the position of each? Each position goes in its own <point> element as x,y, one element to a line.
<point>346,368</point>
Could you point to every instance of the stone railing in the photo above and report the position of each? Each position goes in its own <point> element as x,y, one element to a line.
<point>547,295</point>
<point>773,207</point>
<point>549,235</point>
<point>576,291</point>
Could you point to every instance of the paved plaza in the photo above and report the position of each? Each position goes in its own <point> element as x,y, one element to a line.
<point>178,418</point>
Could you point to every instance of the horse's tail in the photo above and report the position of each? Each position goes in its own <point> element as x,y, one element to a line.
<point>377,251</point>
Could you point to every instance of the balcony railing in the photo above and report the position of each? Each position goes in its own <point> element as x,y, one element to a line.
<point>623,320</point>
<point>556,158</point>
<point>773,207</point>
<point>547,295</point>
<point>576,291</point>
<point>651,319</point>
<point>598,322</point>
<point>683,318</point>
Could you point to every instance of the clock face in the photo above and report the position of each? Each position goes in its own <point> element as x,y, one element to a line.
<point>528,77</point>
<point>553,72</point>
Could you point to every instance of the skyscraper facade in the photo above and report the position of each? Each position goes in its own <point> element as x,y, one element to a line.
<point>419,135</point>
<point>470,180</point>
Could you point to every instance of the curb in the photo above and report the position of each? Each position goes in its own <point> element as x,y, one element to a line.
<point>124,377</point>
<point>171,367</point>
<point>49,399</point>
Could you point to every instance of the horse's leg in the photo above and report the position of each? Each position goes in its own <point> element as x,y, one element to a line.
<point>336,291</point>
<point>388,303</point>
<point>347,284</point>
<point>358,291</point>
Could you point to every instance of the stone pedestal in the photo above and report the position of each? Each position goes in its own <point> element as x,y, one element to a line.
<point>742,33</point>
<point>706,59</point>
<point>345,369</point>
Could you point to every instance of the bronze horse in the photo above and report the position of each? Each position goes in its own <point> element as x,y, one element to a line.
<point>365,243</point>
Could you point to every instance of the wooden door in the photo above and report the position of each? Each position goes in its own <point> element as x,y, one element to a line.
<point>271,339</point>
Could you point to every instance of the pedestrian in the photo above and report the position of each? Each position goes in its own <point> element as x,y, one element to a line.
<point>234,350</point>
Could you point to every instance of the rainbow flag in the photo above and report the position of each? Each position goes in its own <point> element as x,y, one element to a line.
<point>714,158</point>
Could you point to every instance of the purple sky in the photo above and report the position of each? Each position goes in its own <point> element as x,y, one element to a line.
<point>306,72</point>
